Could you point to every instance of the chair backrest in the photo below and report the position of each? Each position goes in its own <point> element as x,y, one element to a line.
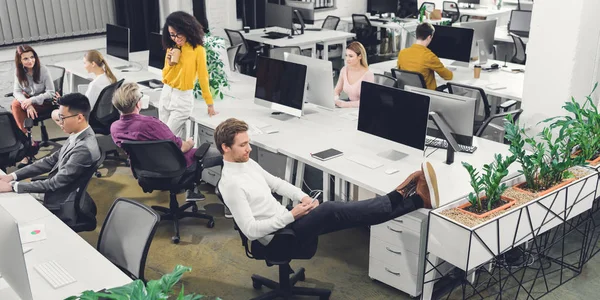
<point>450,10</point>
<point>405,78</point>
<point>429,6</point>
<point>278,53</point>
<point>482,106</point>
<point>331,22</point>
<point>385,80</point>
<point>361,26</point>
<point>520,56</point>
<point>104,112</point>
<point>143,154</point>
<point>232,53</point>
<point>126,235</point>
<point>58,76</point>
<point>86,216</point>
<point>13,142</point>
<point>236,38</point>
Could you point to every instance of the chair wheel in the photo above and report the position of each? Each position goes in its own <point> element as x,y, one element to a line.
<point>175,239</point>
<point>210,224</point>
<point>98,174</point>
<point>302,277</point>
<point>256,285</point>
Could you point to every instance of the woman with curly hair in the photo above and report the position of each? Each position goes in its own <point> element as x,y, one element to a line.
<point>185,61</point>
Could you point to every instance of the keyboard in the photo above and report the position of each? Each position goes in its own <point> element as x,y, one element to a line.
<point>55,274</point>
<point>365,161</point>
<point>443,144</point>
<point>276,35</point>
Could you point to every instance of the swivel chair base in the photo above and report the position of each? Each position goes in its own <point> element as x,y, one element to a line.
<point>285,288</point>
<point>175,213</point>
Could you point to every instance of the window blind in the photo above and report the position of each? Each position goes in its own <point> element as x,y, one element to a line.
<point>23,21</point>
<point>321,3</point>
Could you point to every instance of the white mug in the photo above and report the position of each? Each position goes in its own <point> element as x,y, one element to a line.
<point>145,101</point>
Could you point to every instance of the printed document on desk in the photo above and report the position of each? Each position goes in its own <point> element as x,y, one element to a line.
<point>32,233</point>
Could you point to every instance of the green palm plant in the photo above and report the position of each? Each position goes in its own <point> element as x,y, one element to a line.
<point>489,181</point>
<point>217,78</point>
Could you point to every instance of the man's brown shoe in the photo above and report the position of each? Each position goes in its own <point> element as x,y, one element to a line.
<point>427,187</point>
<point>409,186</point>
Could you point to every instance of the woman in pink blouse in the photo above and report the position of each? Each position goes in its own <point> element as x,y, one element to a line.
<point>352,75</point>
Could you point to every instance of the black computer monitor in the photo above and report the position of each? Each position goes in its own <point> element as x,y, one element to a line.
<point>117,41</point>
<point>383,6</point>
<point>280,85</point>
<point>520,22</point>
<point>306,10</point>
<point>393,114</point>
<point>452,43</point>
<point>156,56</point>
<point>278,15</point>
<point>407,9</point>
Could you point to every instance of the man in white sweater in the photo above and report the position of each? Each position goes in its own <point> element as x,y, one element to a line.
<point>247,191</point>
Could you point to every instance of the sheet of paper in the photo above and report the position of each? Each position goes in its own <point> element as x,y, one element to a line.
<point>32,233</point>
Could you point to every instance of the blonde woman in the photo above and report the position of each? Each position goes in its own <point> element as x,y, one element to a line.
<point>352,75</point>
<point>94,63</point>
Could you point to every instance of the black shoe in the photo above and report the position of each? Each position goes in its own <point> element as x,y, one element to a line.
<point>23,165</point>
<point>192,195</point>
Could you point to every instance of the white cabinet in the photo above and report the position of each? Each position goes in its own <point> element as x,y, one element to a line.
<point>206,135</point>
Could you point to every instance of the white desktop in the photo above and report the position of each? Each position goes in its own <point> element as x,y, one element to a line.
<point>319,86</point>
<point>12,265</point>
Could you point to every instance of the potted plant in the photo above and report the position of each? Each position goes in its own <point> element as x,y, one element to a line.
<point>153,290</point>
<point>486,197</point>
<point>216,72</point>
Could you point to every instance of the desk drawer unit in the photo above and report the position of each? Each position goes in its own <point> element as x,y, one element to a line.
<point>206,135</point>
<point>395,276</point>
<point>394,255</point>
<point>397,235</point>
<point>211,175</point>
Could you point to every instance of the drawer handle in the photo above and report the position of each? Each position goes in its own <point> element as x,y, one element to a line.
<point>394,230</point>
<point>399,221</point>
<point>395,252</point>
<point>211,173</point>
<point>395,273</point>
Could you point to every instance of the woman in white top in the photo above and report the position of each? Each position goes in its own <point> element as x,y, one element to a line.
<point>352,75</point>
<point>94,62</point>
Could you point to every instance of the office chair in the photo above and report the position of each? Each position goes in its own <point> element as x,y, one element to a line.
<point>520,56</point>
<point>169,173</point>
<point>58,73</point>
<point>404,78</point>
<point>429,6</point>
<point>282,256</point>
<point>246,57</point>
<point>103,114</point>
<point>385,80</point>
<point>330,23</point>
<point>450,10</point>
<point>483,109</point>
<point>14,144</point>
<point>278,53</point>
<point>366,33</point>
<point>232,53</point>
<point>126,236</point>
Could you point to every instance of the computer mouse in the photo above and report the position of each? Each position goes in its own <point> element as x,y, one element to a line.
<point>391,171</point>
<point>290,37</point>
<point>494,66</point>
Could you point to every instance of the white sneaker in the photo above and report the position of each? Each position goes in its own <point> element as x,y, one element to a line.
<point>228,214</point>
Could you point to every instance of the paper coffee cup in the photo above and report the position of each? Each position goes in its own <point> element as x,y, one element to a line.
<point>477,72</point>
<point>175,53</point>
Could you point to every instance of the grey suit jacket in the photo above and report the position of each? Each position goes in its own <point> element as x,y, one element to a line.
<point>68,168</point>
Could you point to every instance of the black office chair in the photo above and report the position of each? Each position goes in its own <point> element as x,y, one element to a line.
<point>520,56</point>
<point>281,257</point>
<point>232,53</point>
<point>103,114</point>
<point>330,23</point>
<point>126,236</point>
<point>405,78</point>
<point>14,144</point>
<point>169,173</point>
<point>450,10</point>
<point>366,33</point>
<point>278,52</point>
<point>246,57</point>
<point>483,109</point>
<point>385,80</point>
<point>58,75</point>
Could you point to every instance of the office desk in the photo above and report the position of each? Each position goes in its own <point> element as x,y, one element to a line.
<point>513,82</point>
<point>92,270</point>
<point>305,41</point>
<point>502,15</point>
<point>501,35</point>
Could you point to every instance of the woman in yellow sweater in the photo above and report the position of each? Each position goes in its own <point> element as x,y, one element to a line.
<point>185,61</point>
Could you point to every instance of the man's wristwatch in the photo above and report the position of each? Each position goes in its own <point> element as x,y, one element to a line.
<point>14,185</point>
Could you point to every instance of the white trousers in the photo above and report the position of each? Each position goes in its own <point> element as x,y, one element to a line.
<point>175,108</point>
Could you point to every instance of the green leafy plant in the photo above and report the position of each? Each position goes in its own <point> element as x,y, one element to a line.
<point>154,290</point>
<point>530,162</point>
<point>217,77</point>
<point>488,182</point>
<point>422,13</point>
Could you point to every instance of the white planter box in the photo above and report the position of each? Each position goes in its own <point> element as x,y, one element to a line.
<point>467,248</point>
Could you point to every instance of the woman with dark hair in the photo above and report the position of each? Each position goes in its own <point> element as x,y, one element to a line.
<point>185,61</point>
<point>32,87</point>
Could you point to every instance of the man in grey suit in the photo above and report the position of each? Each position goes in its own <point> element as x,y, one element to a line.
<point>68,168</point>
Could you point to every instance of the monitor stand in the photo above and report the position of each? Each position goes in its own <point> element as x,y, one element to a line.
<point>392,155</point>
<point>282,116</point>
<point>124,67</point>
<point>457,63</point>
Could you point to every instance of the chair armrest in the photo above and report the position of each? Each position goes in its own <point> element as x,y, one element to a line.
<point>201,151</point>
<point>8,95</point>
<point>507,104</point>
<point>496,116</point>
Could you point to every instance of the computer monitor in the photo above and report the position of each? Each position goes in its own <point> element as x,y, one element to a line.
<point>520,22</point>
<point>469,1</point>
<point>482,30</point>
<point>458,112</point>
<point>117,41</point>
<point>156,53</point>
<point>452,43</point>
<point>395,115</point>
<point>319,87</point>
<point>383,6</point>
<point>278,15</point>
<point>306,10</point>
<point>12,262</point>
<point>280,85</point>
<point>407,9</point>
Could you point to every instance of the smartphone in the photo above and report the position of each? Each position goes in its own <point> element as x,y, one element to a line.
<point>315,197</point>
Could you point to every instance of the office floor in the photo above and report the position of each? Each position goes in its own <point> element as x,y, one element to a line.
<point>220,267</point>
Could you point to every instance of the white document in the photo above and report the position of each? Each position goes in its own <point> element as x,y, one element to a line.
<point>32,233</point>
